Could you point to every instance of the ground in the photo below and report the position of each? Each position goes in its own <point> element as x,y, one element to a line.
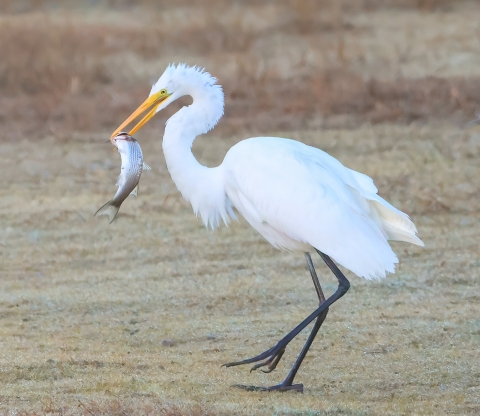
<point>137,317</point>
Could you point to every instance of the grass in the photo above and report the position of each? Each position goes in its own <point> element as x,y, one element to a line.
<point>138,316</point>
<point>141,314</point>
<point>79,69</point>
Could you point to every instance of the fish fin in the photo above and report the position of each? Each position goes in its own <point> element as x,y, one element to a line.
<point>146,167</point>
<point>118,181</point>
<point>109,209</point>
<point>135,191</point>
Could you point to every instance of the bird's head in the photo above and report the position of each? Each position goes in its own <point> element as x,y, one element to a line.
<point>175,82</point>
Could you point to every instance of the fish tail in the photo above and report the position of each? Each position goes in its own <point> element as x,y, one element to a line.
<point>110,209</point>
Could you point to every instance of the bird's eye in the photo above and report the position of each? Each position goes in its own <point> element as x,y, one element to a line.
<point>164,91</point>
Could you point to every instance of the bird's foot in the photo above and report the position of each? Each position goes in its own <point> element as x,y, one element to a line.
<point>269,358</point>
<point>285,386</point>
<point>271,363</point>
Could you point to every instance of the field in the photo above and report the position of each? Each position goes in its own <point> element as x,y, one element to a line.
<point>137,317</point>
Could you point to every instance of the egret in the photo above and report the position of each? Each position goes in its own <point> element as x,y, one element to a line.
<point>299,198</point>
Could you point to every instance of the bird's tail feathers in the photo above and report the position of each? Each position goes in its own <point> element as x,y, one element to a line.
<point>396,224</point>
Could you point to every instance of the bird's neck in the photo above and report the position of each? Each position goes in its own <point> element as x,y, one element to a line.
<point>200,185</point>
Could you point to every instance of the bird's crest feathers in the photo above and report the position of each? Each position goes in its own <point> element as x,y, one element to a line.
<point>176,76</point>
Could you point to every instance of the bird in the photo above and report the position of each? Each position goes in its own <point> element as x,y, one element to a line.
<point>298,197</point>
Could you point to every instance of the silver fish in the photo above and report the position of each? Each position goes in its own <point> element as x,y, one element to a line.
<point>132,168</point>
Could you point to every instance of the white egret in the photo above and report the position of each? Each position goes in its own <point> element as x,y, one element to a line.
<point>296,196</point>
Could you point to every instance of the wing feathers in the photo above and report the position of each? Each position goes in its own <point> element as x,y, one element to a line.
<point>309,196</point>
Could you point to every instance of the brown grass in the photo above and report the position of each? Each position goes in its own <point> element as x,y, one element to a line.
<point>132,407</point>
<point>141,314</point>
<point>299,62</point>
<point>138,316</point>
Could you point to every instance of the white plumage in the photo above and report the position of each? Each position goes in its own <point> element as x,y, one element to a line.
<point>299,197</point>
<point>294,195</point>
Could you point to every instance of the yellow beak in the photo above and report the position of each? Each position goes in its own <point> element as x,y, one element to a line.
<point>153,101</point>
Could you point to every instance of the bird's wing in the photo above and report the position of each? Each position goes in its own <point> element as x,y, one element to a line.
<point>307,194</point>
<point>394,224</point>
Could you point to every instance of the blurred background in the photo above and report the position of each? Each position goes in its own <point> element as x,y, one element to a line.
<point>81,66</point>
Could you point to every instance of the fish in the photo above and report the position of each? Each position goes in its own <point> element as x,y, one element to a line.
<point>132,168</point>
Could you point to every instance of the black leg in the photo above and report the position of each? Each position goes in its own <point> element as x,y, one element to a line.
<point>287,384</point>
<point>273,355</point>
<point>316,282</point>
<point>272,362</point>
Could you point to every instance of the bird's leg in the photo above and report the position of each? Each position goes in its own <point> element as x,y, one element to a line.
<point>272,362</point>
<point>320,313</point>
<point>316,282</point>
<point>287,384</point>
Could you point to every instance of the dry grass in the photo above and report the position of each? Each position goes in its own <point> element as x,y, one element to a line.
<point>142,313</point>
<point>301,62</point>
<point>138,316</point>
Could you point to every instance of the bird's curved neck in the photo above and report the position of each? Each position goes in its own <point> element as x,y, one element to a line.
<point>200,185</point>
